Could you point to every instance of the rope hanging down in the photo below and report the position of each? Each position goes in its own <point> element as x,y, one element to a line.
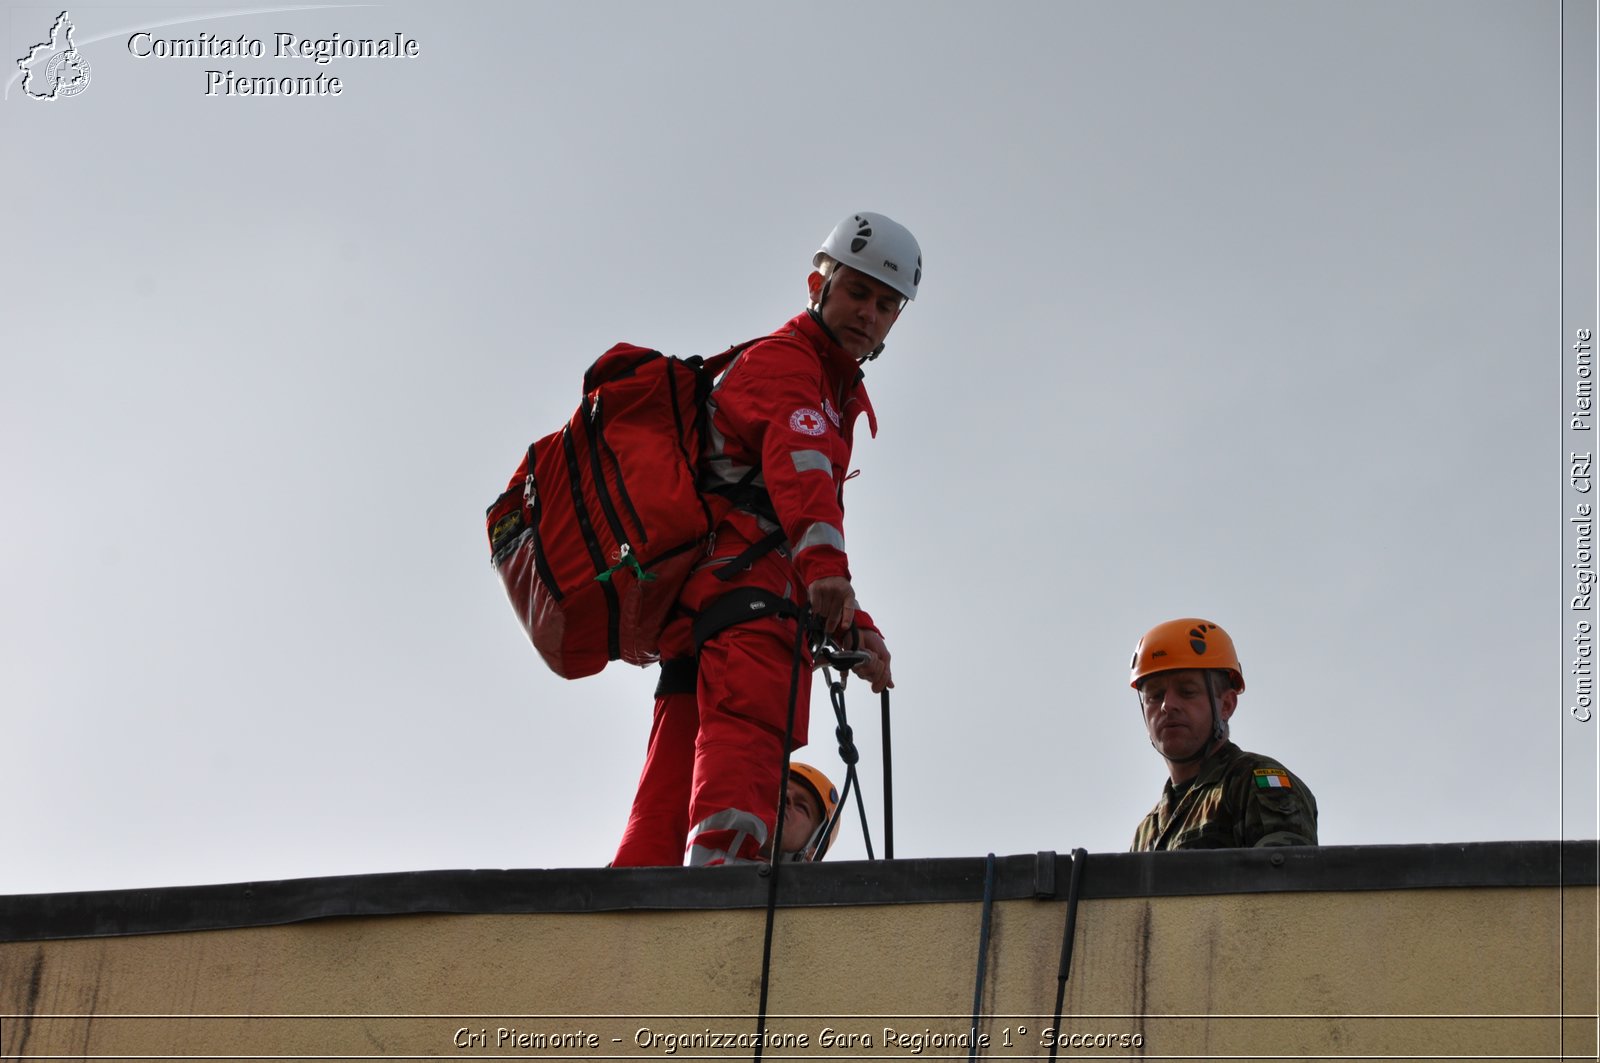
<point>1079,859</point>
<point>983,953</point>
<point>848,753</point>
<point>888,784</point>
<point>712,621</point>
<point>774,858</point>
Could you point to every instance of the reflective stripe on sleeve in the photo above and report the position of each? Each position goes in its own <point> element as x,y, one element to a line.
<point>811,461</point>
<point>820,534</point>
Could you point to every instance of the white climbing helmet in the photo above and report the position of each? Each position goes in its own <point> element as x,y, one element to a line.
<point>880,247</point>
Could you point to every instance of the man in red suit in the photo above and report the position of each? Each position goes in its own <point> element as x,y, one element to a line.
<point>777,452</point>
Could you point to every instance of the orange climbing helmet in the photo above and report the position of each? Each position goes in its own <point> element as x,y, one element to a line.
<point>827,800</point>
<point>1181,644</point>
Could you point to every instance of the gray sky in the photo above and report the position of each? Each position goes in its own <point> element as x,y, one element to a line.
<point>1243,310</point>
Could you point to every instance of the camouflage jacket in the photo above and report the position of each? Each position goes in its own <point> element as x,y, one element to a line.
<point>1237,801</point>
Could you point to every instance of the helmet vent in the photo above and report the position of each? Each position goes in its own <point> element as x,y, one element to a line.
<point>1197,638</point>
<point>863,233</point>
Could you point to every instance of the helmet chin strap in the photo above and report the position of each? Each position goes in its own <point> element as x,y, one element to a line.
<point>1219,731</point>
<point>815,845</point>
<point>816,315</point>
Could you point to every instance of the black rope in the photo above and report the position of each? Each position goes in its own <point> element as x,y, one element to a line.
<point>848,752</point>
<point>838,810</point>
<point>888,784</point>
<point>826,831</point>
<point>983,953</point>
<point>1079,858</point>
<point>774,851</point>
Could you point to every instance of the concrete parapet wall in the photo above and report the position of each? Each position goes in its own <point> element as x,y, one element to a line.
<point>1455,971</point>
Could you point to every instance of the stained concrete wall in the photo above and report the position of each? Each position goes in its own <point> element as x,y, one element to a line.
<point>1439,973</point>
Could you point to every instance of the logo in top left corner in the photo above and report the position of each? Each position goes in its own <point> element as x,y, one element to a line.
<point>54,69</point>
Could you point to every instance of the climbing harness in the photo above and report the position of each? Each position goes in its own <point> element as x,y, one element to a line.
<point>750,603</point>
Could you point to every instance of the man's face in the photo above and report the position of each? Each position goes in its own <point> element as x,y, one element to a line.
<point>859,309</point>
<point>1177,712</point>
<point>803,817</point>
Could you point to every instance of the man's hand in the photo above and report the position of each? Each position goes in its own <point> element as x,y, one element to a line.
<point>874,669</point>
<point>833,601</point>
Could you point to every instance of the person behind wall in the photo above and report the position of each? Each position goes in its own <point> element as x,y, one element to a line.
<point>1217,796</point>
<point>776,454</point>
<point>813,802</point>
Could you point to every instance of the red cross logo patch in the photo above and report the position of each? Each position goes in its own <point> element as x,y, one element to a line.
<point>807,422</point>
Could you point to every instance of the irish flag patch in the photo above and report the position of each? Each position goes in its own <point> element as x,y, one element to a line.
<point>1270,778</point>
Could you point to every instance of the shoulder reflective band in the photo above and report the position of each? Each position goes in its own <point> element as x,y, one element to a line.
<point>811,461</point>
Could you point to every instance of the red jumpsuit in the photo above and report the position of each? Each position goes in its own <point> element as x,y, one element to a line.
<point>711,775</point>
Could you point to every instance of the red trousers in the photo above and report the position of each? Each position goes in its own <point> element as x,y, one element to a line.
<point>715,760</point>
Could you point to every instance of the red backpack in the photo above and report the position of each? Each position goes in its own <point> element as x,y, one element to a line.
<point>598,529</point>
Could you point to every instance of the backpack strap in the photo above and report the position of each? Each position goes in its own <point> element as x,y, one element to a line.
<point>712,367</point>
<point>745,494</point>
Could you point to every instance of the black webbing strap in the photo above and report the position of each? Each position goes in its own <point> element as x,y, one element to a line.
<point>750,555</point>
<point>678,676</point>
<point>747,495</point>
<point>736,607</point>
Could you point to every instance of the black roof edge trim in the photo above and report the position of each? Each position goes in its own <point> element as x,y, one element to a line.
<point>176,909</point>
